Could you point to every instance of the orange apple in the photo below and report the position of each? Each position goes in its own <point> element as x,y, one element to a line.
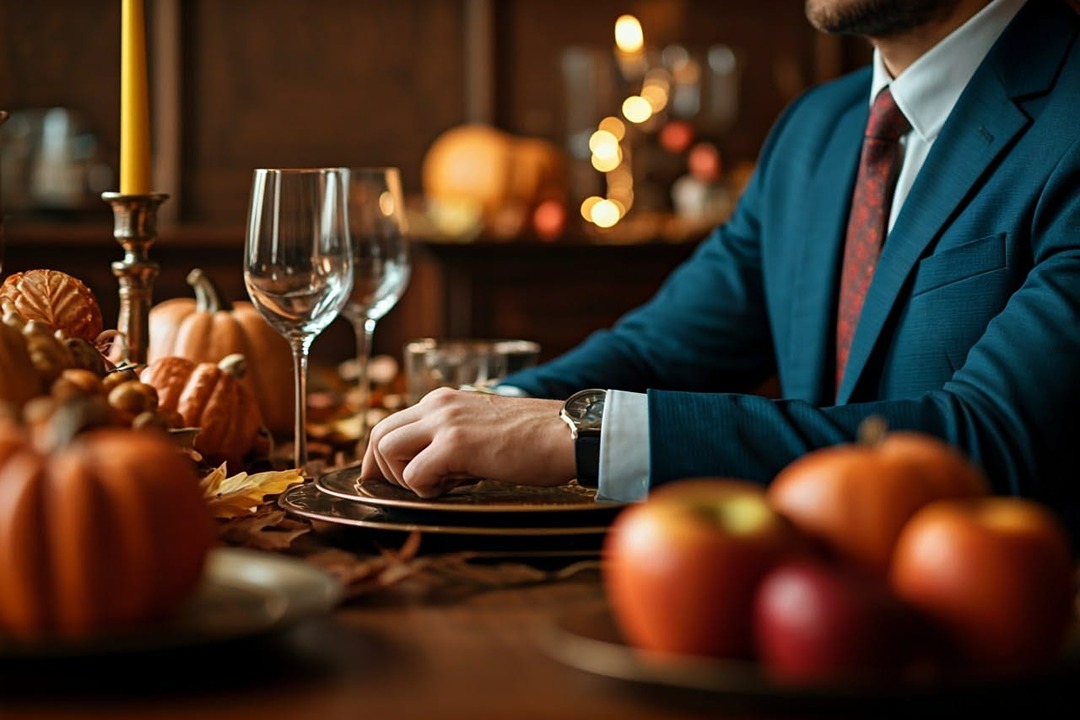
<point>998,576</point>
<point>855,498</point>
<point>681,568</point>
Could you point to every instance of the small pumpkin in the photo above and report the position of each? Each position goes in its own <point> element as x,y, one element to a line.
<point>211,397</point>
<point>61,301</point>
<point>207,329</point>
<point>107,533</point>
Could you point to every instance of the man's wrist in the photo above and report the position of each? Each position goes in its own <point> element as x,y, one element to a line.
<point>583,413</point>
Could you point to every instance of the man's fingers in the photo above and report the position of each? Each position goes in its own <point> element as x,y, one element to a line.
<point>427,474</point>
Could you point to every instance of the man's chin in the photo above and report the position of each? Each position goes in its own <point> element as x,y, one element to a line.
<point>876,18</point>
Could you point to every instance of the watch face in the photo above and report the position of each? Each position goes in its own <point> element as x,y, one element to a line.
<point>586,409</point>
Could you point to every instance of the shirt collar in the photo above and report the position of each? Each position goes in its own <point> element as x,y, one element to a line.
<point>927,90</point>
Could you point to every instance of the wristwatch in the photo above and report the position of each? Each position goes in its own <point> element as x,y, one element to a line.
<point>583,412</point>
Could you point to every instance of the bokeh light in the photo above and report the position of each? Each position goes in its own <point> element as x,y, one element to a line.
<point>605,214</point>
<point>587,206</point>
<point>629,37</point>
<point>637,109</point>
<point>613,125</point>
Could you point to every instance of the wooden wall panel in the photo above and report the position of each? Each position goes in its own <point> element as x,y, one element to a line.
<point>65,53</point>
<point>331,82</point>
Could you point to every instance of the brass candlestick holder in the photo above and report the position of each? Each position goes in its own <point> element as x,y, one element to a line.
<point>135,228</point>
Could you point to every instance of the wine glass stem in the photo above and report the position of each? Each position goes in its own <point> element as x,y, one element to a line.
<point>300,366</point>
<point>364,331</point>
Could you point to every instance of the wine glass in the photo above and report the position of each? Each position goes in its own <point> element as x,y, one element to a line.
<point>298,263</point>
<point>381,263</point>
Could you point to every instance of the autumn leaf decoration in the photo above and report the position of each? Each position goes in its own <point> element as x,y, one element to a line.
<point>243,494</point>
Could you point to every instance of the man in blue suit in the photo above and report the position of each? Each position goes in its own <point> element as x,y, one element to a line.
<point>970,328</point>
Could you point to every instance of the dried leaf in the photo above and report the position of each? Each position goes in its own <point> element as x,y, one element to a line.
<point>241,494</point>
<point>366,574</point>
<point>263,530</point>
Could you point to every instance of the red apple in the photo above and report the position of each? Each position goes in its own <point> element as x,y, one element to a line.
<point>818,622</point>
<point>681,567</point>
<point>997,574</point>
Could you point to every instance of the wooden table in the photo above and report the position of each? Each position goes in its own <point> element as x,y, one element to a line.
<point>425,648</point>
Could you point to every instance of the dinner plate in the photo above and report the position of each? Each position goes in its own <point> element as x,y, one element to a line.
<point>589,640</point>
<point>483,496</point>
<point>309,500</point>
<point>244,593</point>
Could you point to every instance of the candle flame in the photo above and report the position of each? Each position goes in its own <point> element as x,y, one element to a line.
<point>629,37</point>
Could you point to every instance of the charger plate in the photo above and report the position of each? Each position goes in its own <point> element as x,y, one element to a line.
<point>310,501</point>
<point>483,496</point>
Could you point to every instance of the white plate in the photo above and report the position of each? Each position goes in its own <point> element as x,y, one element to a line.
<point>244,593</point>
<point>483,496</point>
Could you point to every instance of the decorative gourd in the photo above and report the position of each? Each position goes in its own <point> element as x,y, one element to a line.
<point>207,328</point>
<point>19,379</point>
<point>52,351</point>
<point>61,301</point>
<point>211,397</point>
<point>107,533</point>
<point>48,353</point>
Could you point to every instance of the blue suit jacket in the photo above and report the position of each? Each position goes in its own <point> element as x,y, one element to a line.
<point>971,327</point>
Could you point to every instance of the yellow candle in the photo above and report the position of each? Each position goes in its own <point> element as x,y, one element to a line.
<point>134,104</point>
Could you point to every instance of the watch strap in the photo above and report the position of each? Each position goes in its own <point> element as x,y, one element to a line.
<point>587,459</point>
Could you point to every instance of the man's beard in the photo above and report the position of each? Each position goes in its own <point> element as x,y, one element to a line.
<point>875,18</point>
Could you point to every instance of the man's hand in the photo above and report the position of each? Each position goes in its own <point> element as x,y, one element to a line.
<point>452,437</point>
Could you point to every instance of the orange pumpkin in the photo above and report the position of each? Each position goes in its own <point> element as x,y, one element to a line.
<point>207,328</point>
<point>211,397</point>
<point>107,533</point>
<point>855,498</point>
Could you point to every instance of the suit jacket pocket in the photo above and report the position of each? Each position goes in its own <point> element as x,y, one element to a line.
<point>974,257</point>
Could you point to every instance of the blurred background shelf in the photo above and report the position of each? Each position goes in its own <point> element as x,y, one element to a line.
<point>551,292</point>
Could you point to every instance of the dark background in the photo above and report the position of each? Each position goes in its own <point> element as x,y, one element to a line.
<point>366,82</point>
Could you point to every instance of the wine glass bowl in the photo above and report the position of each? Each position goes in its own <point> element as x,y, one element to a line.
<point>298,263</point>
<point>381,264</point>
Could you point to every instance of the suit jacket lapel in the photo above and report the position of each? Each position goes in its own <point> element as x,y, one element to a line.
<point>811,356</point>
<point>984,122</point>
<point>961,155</point>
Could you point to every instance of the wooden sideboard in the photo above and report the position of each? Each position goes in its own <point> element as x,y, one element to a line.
<point>554,292</point>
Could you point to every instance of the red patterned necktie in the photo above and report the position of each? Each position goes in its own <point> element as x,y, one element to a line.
<point>879,165</point>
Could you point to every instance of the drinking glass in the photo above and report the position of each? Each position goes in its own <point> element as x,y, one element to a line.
<point>381,263</point>
<point>298,263</point>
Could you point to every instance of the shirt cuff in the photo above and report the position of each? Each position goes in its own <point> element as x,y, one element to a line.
<point>624,448</point>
